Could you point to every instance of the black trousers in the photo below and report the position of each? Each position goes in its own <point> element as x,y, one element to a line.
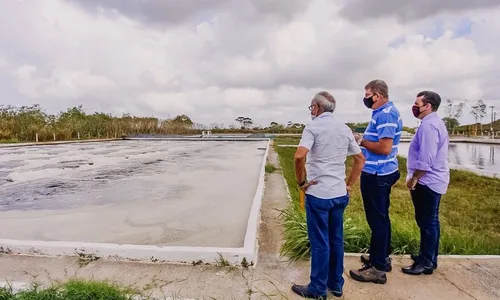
<point>376,191</point>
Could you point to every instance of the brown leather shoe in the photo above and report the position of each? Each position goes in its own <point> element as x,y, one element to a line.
<point>365,259</point>
<point>369,274</point>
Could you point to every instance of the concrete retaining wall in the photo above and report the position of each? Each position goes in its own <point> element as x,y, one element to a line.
<point>151,253</point>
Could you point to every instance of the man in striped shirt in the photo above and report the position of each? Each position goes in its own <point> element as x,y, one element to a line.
<point>379,144</point>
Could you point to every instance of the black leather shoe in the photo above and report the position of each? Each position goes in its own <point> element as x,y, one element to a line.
<point>414,257</point>
<point>417,269</point>
<point>303,291</point>
<point>335,293</point>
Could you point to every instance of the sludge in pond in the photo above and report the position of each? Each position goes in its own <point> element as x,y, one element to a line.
<point>153,162</point>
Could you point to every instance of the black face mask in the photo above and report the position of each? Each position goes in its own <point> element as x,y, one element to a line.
<point>368,102</point>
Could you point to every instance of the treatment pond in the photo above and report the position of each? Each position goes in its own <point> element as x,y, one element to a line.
<point>164,193</point>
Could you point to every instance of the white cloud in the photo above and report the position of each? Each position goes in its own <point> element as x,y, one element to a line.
<point>3,62</point>
<point>229,58</point>
<point>434,60</point>
<point>170,103</point>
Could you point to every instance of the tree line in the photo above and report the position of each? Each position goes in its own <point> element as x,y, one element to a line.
<point>454,111</point>
<point>25,123</point>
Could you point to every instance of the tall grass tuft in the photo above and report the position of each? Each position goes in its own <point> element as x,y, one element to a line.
<point>297,246</point>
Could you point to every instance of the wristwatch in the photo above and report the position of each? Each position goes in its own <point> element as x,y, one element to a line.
<point>302,183</point>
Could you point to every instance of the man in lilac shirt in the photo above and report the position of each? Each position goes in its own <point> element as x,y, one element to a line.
<point>428,179</point>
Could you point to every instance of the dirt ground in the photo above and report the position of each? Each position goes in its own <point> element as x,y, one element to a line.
<point>272,276</point>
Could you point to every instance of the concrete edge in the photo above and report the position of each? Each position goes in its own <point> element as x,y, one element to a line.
<point>123,252</point>
<point>407,256</point>
<point>152,253</point>
<point>488,141</point>
<point>251,244</point>
<point>55,143</point>
<point>346,254</point>
<point>227,139</point>
<point>475,171</point>
<point>452,166</point>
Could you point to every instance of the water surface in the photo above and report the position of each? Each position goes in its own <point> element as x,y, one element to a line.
<point>189,193</point>
<point>473,156</point>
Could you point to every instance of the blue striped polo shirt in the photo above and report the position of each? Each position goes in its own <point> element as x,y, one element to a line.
<point>386,122</point>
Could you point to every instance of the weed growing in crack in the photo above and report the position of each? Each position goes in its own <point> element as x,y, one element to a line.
<point>84,258</point>
<point>244,263</point>
<point>222,262</point>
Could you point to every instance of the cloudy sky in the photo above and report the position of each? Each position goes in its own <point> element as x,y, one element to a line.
<point>215,60</point>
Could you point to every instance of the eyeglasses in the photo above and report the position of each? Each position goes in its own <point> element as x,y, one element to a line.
<point>311,106</point>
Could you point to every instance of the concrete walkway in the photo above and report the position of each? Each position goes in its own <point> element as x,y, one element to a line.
<point>272,277</point>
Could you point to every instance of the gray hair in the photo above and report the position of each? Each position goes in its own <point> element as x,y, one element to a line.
<point>325,101</point>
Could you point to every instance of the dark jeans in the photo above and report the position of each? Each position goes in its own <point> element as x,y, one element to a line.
<point>325,227</point>
<point>376,191</point>
<point>426,203</point>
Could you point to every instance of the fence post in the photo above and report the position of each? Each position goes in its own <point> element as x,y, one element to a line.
<point>36,137</point>
<point>78,135</point>
<point>54,136</point>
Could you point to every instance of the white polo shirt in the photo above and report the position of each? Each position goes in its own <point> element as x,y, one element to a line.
<point>329,142</point>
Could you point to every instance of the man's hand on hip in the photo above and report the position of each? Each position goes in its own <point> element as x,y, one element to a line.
<point>308,184</point>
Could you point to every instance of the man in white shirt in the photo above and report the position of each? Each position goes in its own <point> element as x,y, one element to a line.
<point>326,143</point>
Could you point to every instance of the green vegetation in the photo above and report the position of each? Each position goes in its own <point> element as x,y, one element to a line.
<point>11,141</point>
<point>270,168</point>
<point>22,124</point>
<point>287,141</point>
<point>72,290</point>
<point>469,215</point>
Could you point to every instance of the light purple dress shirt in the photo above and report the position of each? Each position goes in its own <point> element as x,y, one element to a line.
<point>429,152</point>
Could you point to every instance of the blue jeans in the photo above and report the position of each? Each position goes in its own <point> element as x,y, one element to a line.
<point>376,191</point>
<point>325,227</point>
<point>426,203</point>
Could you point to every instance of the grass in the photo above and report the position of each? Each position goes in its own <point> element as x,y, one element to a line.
<point>72,290</point>
<point>469,215</point>
<point>9,141</point>
<point>270,168</point>
<point>287,141</point>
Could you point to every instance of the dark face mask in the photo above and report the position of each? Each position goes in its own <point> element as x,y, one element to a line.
<point>368,102</point>
<point>416,111</point>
